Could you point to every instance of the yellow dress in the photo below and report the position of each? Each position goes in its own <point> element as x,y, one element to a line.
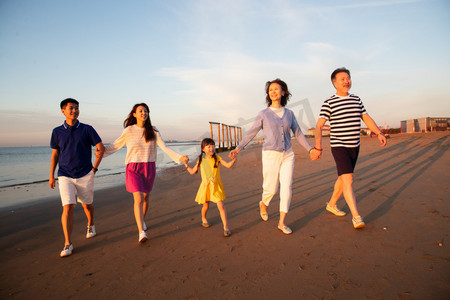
<point>211,188</point>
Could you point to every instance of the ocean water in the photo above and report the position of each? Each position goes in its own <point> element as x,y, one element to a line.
<point>31,165</point>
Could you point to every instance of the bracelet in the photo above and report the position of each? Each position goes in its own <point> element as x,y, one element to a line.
<point>318,149</point>
<point>95,169</point>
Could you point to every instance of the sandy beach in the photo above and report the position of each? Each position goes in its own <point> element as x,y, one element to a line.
<point>403,253</point>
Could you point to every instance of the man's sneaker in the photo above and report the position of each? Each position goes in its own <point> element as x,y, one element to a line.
<point>358,222</point>
<point>142,237</point>
<point>144,226</point>
<point>90,232</point>
<point>336,211</point>
<point>67,250</point>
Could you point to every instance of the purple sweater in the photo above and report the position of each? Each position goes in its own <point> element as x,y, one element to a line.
<point>276,130</point>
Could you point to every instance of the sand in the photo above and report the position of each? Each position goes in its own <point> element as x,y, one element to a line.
<point>402,192</point>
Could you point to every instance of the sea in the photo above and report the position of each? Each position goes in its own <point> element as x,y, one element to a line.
<point>28,168</point>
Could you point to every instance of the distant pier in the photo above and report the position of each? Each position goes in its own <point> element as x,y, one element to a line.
<point>228,136</point>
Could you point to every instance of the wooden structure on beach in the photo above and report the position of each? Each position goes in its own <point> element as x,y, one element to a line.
<point>228,136</point>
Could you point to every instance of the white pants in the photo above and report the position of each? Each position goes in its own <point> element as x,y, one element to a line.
<point>278,168</point>
<point>81,188</point>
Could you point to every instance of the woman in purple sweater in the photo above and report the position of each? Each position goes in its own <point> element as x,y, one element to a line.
<point>276,121</point>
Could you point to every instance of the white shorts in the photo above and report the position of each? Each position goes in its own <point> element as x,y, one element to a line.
<point>82,187</point>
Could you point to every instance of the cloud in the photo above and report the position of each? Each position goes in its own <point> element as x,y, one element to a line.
<point>372,4</point>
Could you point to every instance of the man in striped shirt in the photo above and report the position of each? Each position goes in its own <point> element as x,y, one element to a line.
<point>344,111</point>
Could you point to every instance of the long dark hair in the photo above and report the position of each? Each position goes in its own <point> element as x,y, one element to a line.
<point>206,142</point>
<point>149,132</point>
<point>284,99</point>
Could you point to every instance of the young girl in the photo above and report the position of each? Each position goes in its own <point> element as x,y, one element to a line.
<point>211,188</point>
<point>141,139</point>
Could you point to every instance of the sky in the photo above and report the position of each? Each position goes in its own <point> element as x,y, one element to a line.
<point>198,61</point>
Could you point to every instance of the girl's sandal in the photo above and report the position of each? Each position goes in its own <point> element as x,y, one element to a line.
<point>205,224</point>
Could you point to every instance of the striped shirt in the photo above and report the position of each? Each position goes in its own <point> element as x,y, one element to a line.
<point>344,115</point>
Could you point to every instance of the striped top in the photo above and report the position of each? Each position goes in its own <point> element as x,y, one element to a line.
<point>344,115</point>
<point>138,150</point>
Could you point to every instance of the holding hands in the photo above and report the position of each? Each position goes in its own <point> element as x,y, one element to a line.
<point>184,159</point>
<point>233,153</point>
<point>315,154</point>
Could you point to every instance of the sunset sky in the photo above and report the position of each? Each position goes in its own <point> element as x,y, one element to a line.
<point>198,61</point>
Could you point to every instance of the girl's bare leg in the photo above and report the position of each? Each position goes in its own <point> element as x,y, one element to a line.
<point>138,209</point>
<point>204,211</point>
<point>223,214</point>
<point>145,205</point>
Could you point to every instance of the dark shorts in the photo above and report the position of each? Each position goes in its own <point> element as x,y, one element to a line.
<point>345,159</point>
<point>139,177</point>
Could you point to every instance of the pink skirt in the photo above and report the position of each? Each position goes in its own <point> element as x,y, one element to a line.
<point>139,177</point>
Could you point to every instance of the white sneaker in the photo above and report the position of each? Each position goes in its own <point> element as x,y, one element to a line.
<point>90,232</point>
<point>336,211</point>
<point>67,250</point>
<point>358,222</point>
<point>144,226</point>
<point>142,237</point>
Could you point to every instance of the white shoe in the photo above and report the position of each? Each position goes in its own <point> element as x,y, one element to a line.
<point>336,211</point>
<point>142,237</point>
<point>144,226</point>
<point>67,250</point>
<point>264,215</point>
<point>90,232</point>
<point>285,229</point>
<point>358,222</point>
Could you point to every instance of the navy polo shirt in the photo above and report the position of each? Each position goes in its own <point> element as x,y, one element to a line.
<point>75,148</point>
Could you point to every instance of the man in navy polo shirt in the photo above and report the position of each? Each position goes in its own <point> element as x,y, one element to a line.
<point>72,145</point>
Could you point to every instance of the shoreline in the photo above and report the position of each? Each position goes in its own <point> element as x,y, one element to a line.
<point>402,194</point>
<point>23,195</point>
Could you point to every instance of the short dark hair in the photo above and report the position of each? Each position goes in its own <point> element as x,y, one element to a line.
<point>67,101</point>
<point>339,70</point>
<point>284,88</point>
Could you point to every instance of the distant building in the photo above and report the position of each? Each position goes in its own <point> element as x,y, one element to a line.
<point>426,124</point>
<point>325,131</point>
